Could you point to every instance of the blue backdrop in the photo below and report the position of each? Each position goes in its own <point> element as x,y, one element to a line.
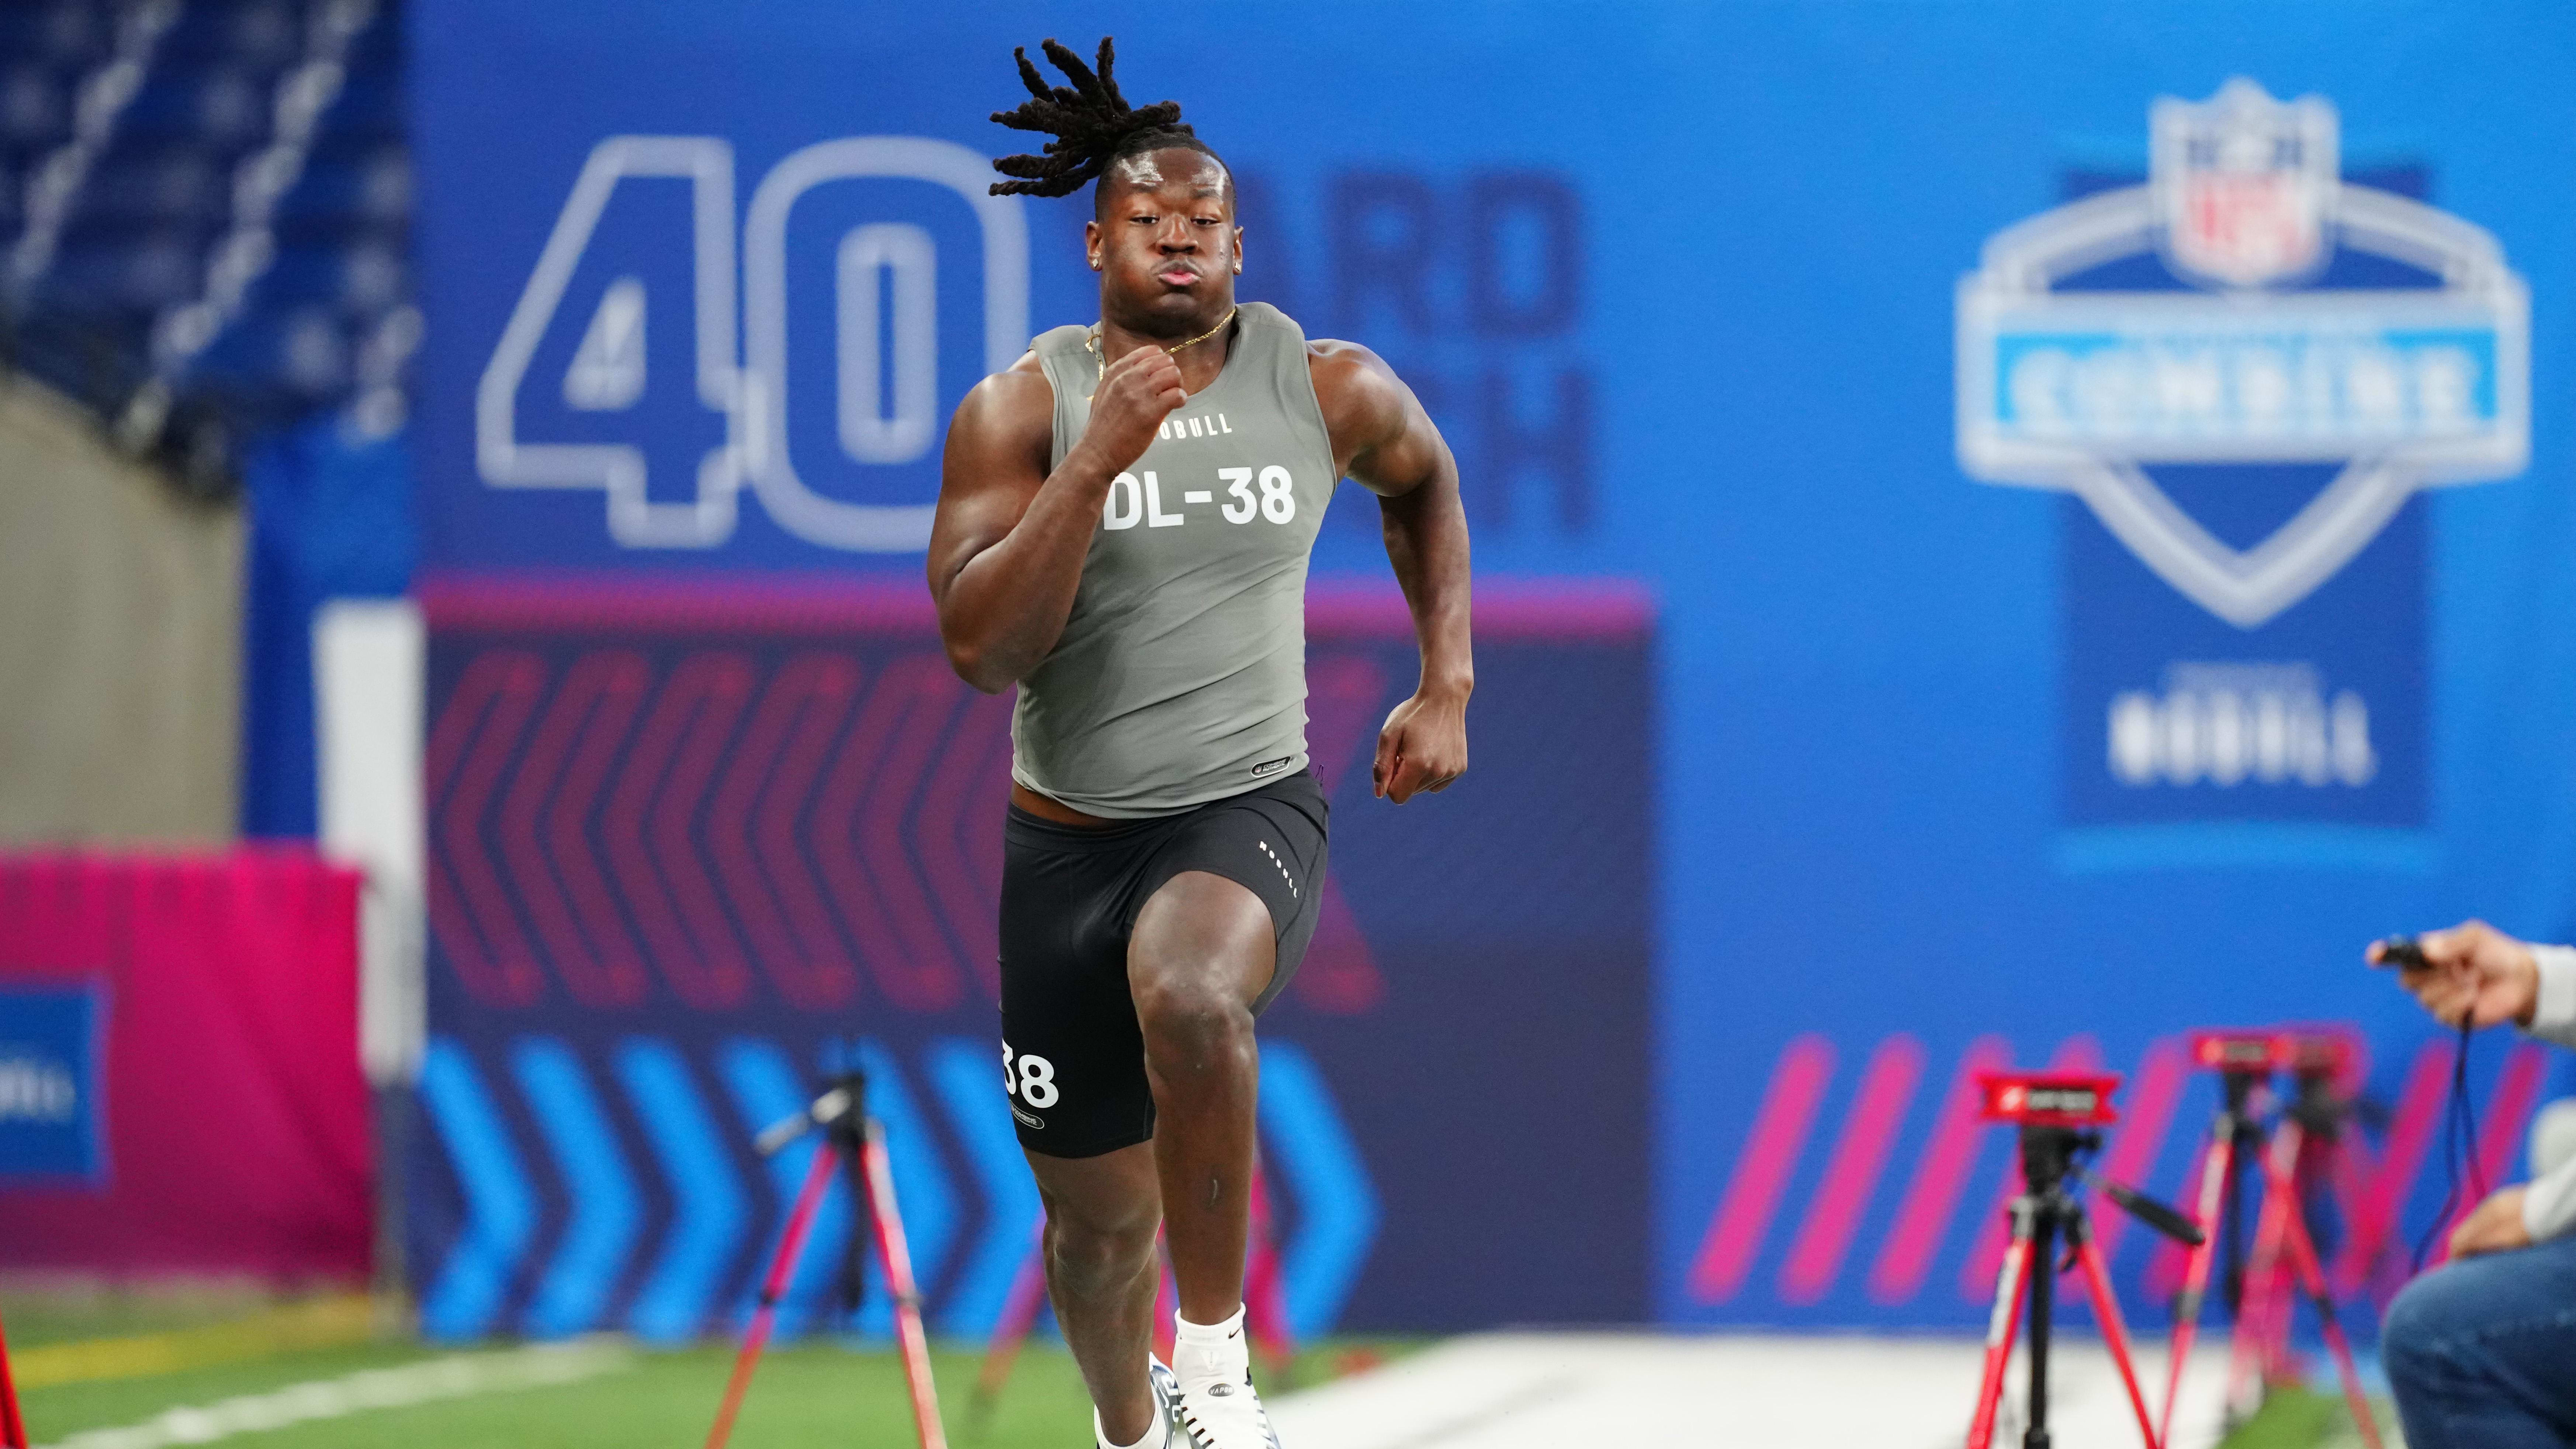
<point>2069,631</point>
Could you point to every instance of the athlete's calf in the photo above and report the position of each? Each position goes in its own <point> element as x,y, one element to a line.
<point>1101,1217</point>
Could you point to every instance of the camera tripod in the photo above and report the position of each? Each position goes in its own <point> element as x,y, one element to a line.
<point>2259,1284</point>
<point>2057,1116</point>
<point>853,1142</point>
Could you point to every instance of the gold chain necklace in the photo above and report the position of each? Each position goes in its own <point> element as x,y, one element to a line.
<point>1091,340</point>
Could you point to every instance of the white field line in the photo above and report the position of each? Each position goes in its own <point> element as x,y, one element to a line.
<point>1547,1391</point>
<point>456,1376</point>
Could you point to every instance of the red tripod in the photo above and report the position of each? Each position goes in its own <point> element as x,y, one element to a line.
<point>2282,1249</point>
<point>2060,1116</point>
<point>855,1141</point>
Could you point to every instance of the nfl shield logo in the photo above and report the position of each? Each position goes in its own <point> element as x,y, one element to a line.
<point>2244,184</point>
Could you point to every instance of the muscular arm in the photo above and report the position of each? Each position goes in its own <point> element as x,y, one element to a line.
<point>1009,537</point>
<point>1386,443</point>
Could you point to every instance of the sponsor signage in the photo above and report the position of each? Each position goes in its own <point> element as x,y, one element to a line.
<point>52,1112</point>
<point>2244,367</point>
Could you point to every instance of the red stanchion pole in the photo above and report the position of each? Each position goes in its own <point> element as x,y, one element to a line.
<point>782,1266</point>
<point>2263,1318</point>
<point>2003,1327</point>
<point>13,1427</point>
<point>2215,1164</point>
<point>1167,1298</point>
<point>1265,1299</point>
<point>896,1257</point>
<point>2311,1275</point>
<point>1011,1332</point>
<point>2115,1332</point>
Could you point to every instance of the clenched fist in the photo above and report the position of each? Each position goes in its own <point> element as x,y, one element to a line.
<point>1423,747</point>
<point>1135,394</point>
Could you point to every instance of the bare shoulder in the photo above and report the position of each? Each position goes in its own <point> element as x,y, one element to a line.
<point>1361,397</point>
<point>1007,406</point>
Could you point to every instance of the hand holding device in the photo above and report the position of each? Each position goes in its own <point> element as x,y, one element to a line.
<point>2471,975</point>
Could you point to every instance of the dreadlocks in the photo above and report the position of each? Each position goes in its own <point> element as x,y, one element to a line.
<point>1093,126</point>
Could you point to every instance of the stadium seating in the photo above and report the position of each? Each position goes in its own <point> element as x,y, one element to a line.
<point>147,249</point>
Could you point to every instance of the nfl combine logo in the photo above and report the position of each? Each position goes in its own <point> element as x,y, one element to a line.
<point>2244,368</point>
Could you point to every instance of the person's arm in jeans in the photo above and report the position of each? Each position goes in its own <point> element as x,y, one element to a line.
<point>2476,974</point>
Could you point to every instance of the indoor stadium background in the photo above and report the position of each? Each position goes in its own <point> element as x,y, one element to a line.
<point>541,403</point>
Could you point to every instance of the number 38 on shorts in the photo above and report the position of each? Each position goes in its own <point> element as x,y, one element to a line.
<point>1031,1079</point>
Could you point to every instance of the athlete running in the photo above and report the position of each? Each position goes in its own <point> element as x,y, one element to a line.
<point>1123,528</point>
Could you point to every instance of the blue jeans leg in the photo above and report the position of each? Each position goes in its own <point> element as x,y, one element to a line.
<point>2482,1352</point>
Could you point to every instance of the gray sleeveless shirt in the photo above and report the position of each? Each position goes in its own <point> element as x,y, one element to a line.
<point>1181,674</point>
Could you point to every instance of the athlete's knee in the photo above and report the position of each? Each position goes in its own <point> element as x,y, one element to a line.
<point>1088,1260</point>
<point>1191,1023</point>
<point>1091,1249</point>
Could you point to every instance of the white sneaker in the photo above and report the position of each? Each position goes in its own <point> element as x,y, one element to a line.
<point>1221,1411</point>
<point>1167,1394</point>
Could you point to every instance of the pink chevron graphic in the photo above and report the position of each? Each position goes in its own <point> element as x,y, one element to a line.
<point>1343,691</point>
<point>2146,1117</point>
<point>469,748</point>
<point>980,841</point>
<point>2080,1053</point>
<point>1851,1178</point>
<point>971,775</point>
<point>720,685</point>
<point>579,734</point>
<point>793,724</point>
<point>2165,1264</point>
<point>2509,1115</point>
<point>568,819</point>
<point>1743,1216</point>
<point>2517,1093</point>
<point>859,841</point>
<point>835,686</point>
<point>932,692</point>
<point>714,825</point>
<point>2373,1186</point>
<point>648,822</point>
<point>1924,1219</point>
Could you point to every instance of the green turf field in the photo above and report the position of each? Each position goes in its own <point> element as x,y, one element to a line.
<point>218,1367</point>
<point>624,1398</point>
<point>2302,1419</point>
<point>804,1395</point>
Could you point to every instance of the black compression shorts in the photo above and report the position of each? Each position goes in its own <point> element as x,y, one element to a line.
<point>1073,1057</point>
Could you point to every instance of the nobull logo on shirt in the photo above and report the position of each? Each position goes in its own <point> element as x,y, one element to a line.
<point>2243,367</point>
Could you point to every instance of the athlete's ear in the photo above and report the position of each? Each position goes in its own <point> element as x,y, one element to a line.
<point>1238,251</point>
<point>1091,244</point>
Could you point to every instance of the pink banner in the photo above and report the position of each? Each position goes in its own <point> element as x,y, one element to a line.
<point>179,1079</point>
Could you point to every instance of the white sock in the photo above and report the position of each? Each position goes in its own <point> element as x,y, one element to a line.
<point>1153,1434</point>
<point>1207,1351</point>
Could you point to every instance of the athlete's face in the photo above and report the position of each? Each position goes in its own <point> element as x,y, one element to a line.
<point>1165,243</point>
